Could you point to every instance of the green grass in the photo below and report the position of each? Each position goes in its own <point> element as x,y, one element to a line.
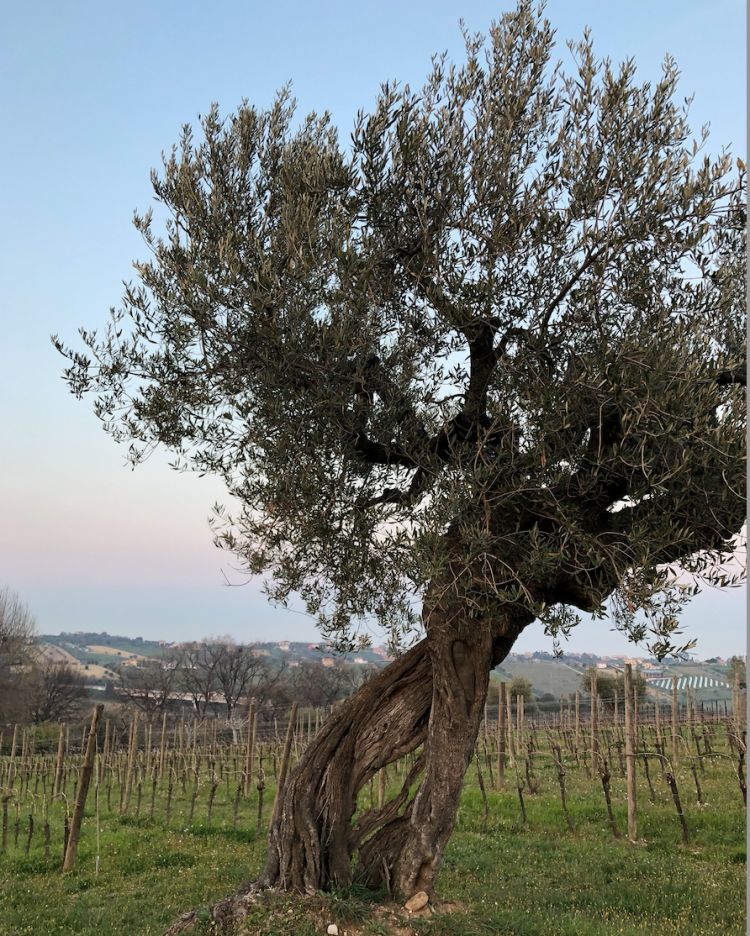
<point>500,876</point>
<point>540,878</point>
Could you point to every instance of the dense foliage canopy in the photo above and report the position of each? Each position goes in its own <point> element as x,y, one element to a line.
<point>505,323</point>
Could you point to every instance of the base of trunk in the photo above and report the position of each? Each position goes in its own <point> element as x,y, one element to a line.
<point>431,697</point>
<point>231,917</point>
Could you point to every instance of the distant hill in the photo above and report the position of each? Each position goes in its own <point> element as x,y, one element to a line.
<point>100,654</point>
<point>708,681</point>
<point>558,677</point>
<point>97,651</point>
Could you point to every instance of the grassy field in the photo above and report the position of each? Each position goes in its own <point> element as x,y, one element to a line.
<point>501,875</point>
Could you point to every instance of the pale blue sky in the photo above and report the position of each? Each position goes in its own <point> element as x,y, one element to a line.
<point>91,93</point>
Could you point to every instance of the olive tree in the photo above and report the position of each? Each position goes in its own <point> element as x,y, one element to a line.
<point>520,686</point>
<point>476,369</point>
<point>317,685</point>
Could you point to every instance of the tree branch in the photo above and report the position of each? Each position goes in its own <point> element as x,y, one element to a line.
<point>734,375</point>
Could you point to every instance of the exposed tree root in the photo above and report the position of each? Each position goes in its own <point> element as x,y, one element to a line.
<point>227,914</point>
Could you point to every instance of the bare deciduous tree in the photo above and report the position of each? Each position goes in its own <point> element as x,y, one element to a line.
<point>197,664</point>
<point>17,629</point>
<point>314,684</point>
<point>17,653</point>
<point>219,670</point>
<point>150,686</point>
<point>55,691</point>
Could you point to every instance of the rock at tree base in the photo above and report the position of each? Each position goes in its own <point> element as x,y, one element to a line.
<point>417,902</point>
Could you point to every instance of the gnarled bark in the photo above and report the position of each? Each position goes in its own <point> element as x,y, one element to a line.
<point>434,697</point>
<point>431,697</point>
<point>406,853</point>
<point>311,840</point>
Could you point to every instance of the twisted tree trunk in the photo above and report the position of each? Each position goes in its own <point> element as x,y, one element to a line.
<point>431,697</point>
<point>312,839</point>
<point>406,852</point>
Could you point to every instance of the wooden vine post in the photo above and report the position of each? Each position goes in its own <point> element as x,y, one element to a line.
<point>594,727</point>
<point>501,735</point>
<point>382,786</point>
<point>83,789</point>
<point>12,765</point>
<point>657,727</point>
<point>132,751</point>
<point>630,752</point>
<point>674,723</point>
<point>251,728</point>
<point>59,764</point>
<point>511,743</point>
<point>285,759</point>
<point>163,743</point>
<point>737,705</point>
